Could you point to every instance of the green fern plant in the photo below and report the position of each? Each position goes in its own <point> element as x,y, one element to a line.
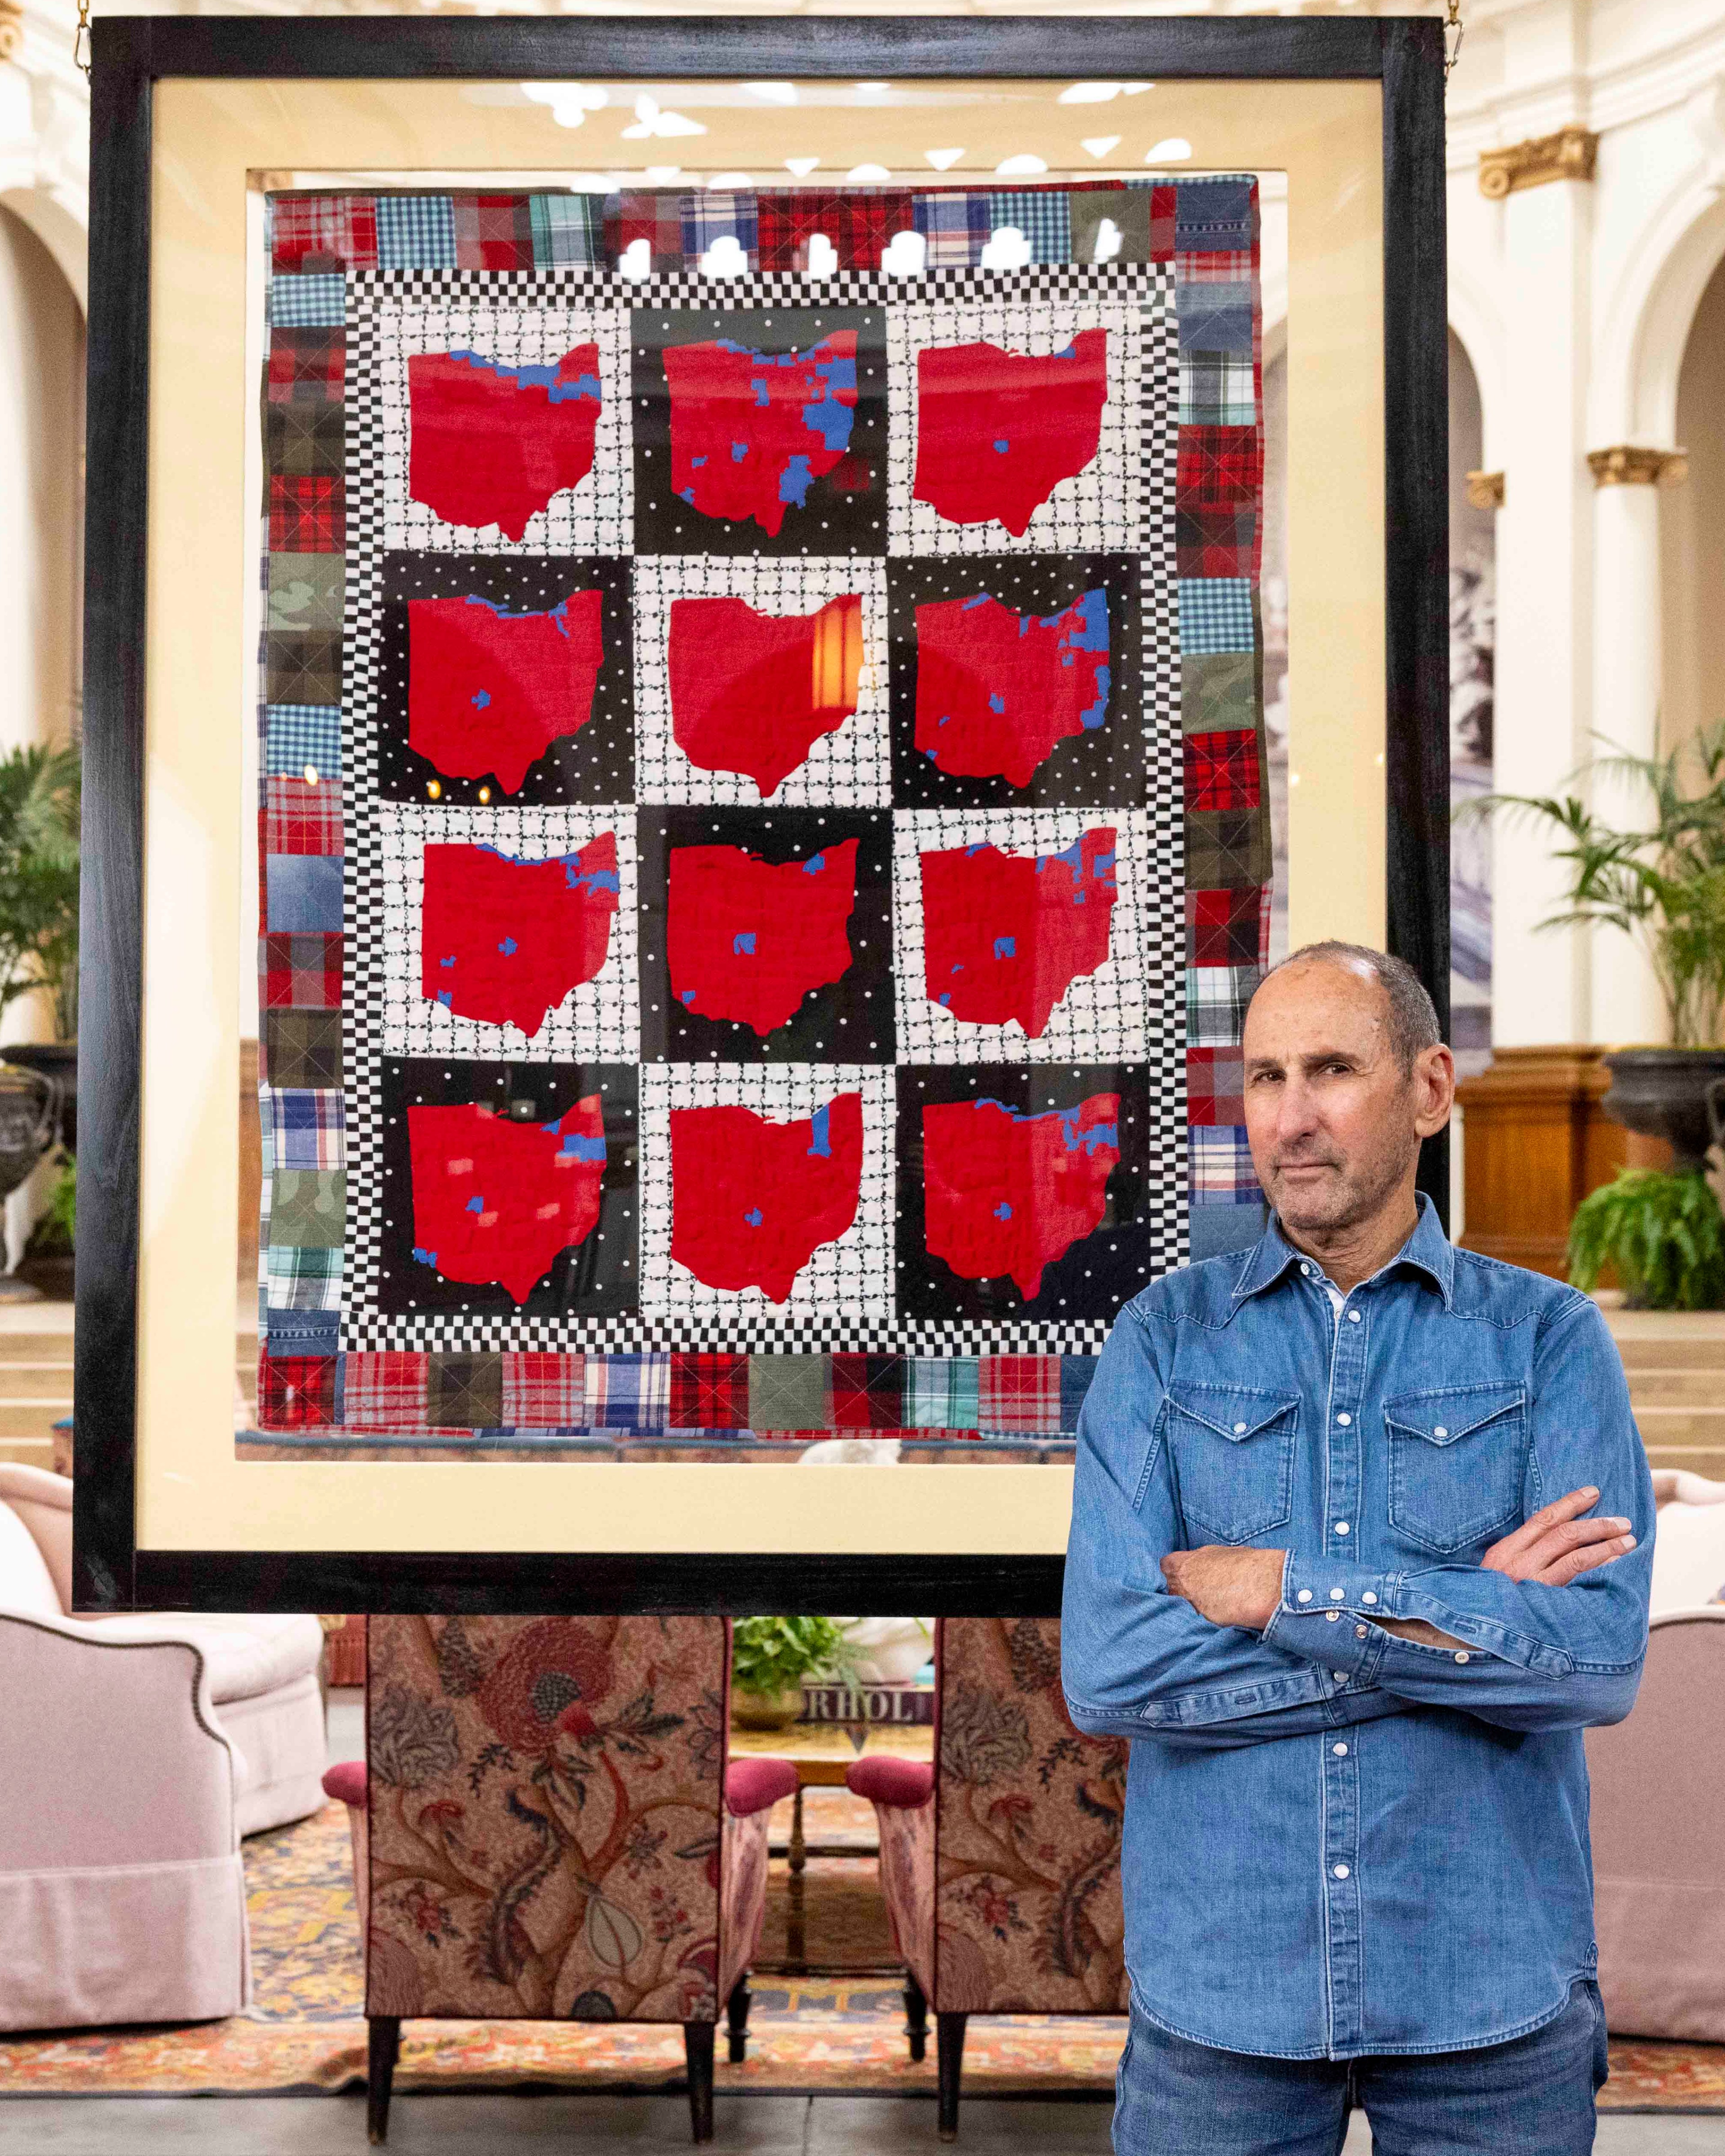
<point>1663,1231</point>
<point>773,1654</point>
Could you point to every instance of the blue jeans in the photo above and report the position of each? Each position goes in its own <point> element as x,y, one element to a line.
<point>1533,2094</point>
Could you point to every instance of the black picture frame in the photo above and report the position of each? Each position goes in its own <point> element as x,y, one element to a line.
<point>132,53</point>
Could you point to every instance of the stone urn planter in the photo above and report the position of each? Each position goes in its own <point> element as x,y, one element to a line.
<point>766,1710</point>
<point>1663,1093</point>
<point>57,1059</point>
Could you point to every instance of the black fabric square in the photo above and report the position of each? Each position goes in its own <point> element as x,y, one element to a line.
<point>596,763</point>
<point>1098,1272</point>
<point>842,510</point>
<point>304,438</point>
<point>302,1049</point>
<point>303,670</point>
<point>1102,765</point>
<point>596,1276</point>
<point>848,1020</point>
<point>464,1392</point>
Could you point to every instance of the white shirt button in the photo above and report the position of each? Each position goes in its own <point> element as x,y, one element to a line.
<point>1353,1317</point>
<point>1341,1526</point>
<point>1464,1658</point>
<point>1304,1595</point>
<point>1360,1631</point>
<point>1440,1431</point>
<point>1239,1430</point>
<point>1336,1594</point>
<point>1332,1614</point>
<point>1368,1596</point>
<point>1340,1675</point>
<point>1340,1751</point>
<point>1341,1871</point>
<point>1306,1270</point>
<point>1344,1420</point>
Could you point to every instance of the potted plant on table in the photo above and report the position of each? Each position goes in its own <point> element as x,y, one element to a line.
<point>771,1657</point>
<point>1662,883</point>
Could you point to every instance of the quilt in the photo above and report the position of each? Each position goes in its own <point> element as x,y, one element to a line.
<point>763,838</point>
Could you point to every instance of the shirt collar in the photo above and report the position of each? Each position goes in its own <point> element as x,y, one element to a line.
<point>1427,1250</point>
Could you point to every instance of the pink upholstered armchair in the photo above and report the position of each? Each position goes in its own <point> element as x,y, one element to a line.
<point>135,1752</point>
<point>1000,1863</point>
<point>545,1827</point>
<point>1659,1874</point>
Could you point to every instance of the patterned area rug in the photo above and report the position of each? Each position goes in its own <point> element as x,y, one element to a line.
<point>305,2032</point>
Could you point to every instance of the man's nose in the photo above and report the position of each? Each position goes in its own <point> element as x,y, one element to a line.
<point>1298,1110</point>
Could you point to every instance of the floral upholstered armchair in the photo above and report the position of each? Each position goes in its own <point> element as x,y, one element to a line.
<point>1000,1863</point>
<point>546,1828</point>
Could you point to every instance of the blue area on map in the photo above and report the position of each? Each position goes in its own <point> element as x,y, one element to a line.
<point>822,1144</point>
<point>1001,448</point>
<point>753,1216</point>
<point>1077,1140</point>
<point>446,997</point>
<point>475,1206</point>
<point>481,701</point>
<point>1002,1211</point>
<point>579,1147</point>
<point>696,463</point>
<point>425,1257</point>
<point>558,616</point>
<point>1006,947</point>
<point>997,703</point>
<point>743,945</point>
<point>795,480</point>
<point>537,377</point>
<point>981,599</point>
<point>815,863</point>
<point>739,450</point>
<point>1072,856</point>
<point>446,963</point>
<point>508,946</point>
<point>688,995</point>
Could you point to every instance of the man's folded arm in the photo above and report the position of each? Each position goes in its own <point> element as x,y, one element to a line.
<point>1525,1656</point>
<point>1138,1661</point>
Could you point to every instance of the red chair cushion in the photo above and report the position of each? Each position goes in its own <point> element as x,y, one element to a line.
<point>345,1782</point>
<point>905,1783</point>
<point>750,1785</point>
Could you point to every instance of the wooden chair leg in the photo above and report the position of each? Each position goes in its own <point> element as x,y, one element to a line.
<point>915,2018</point>
<point>949,2055</point>
<point>698,2050</point>
<point>382,2046</point>
<point>736,2019</point>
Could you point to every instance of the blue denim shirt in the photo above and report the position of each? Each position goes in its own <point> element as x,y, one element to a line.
<point>1338,1842</point>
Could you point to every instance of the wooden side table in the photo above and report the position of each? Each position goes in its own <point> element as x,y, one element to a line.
<point>820,1756</point>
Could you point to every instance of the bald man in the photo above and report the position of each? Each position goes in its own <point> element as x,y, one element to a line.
<point>1361,1544</point>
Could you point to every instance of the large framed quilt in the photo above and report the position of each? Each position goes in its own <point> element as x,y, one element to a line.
<point>763,846</point>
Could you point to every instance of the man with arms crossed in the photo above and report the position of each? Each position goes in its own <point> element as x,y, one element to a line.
<point>1361,1541</point>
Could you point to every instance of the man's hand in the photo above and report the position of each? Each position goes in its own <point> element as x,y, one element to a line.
<point>1556,1545</point>
<point>1228,1586</point>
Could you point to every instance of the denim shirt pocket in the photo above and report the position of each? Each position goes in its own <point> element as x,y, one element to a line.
<point>1458,1461</point>
<point>1233,1454</point>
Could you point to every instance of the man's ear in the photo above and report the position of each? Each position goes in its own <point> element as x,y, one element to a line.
<point>1433,1089</point>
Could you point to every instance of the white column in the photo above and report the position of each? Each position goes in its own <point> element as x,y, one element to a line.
<point>1626,1005</point>
<point>1539,984</point>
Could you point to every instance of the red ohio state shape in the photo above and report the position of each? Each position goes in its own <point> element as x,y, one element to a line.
<point>1006,1195</point>
<point>490,443</point>
<point>491,691</point>
<point>496,1201</point>
<point>998,431</point>
<point>747,939</point>
<point>752,1201</point>
<point>1004,935</point>
<point>753,692</point>
<point>997,691</point>
<point>504,941</point>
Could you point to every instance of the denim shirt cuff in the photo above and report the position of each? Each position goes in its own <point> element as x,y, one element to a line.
<point>1332,1637</point>
<point>1311,1584</point>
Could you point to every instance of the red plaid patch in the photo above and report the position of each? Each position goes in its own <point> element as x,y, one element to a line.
<point>302,972</point>
<point>307,513</point>
<point>325,232</point>
<point>1216,542</point>
<point>657,218</point>
<point>1018,1392</point>
<point>1222,770</point>
<point>1216,1087</point>
<point>296,1392</point>
<point>384,1391</point>
<point>1232,267</point>
<point>1162,224</point>
<point>1219,467</point>
<point>867,1392</point>
<point>859,226</point>
<point>544,1392</point>
<point>709,1392</point>
<point>1222,927</point>
<point>307,367</point>
<point>493,232</point>
<point>301,818</point>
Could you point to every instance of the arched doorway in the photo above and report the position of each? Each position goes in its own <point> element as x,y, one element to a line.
<point>1692,532</point>
<point>1472,641</point>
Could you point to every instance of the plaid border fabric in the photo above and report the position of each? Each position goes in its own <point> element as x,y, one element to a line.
<point>1206,231</point>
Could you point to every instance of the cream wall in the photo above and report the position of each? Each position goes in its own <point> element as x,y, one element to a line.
<point>1692,533</point>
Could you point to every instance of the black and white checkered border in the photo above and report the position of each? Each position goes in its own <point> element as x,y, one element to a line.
<point>594,286</point>
<point>364,1326</point>
<point>1164,926</point>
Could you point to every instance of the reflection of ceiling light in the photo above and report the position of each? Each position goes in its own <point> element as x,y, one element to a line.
<point>570,102</point>
<point>1025,161</point>
<point>943,160</point>
<point>874,89</point>
<point>636,260</point>
<point>823,256</point>
<point>650,121</point>
<point>1006,248</point>
<point>1098,146</point>
<point>662,175</point>
<point>773,93</point>
<point>1169,151</point>
<point>1099,93</point>
<point>868,172</point>
<point>588,183</point>
<point>724,258</point>
<point>730,180</point>
<point>802,166</point>
<point>905,256</point>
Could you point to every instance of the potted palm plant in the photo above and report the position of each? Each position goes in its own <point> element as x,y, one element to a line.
<point>39,814</point>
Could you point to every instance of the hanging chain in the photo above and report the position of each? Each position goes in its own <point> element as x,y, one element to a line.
<point>1454,33</point>
<point>80,41</point>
